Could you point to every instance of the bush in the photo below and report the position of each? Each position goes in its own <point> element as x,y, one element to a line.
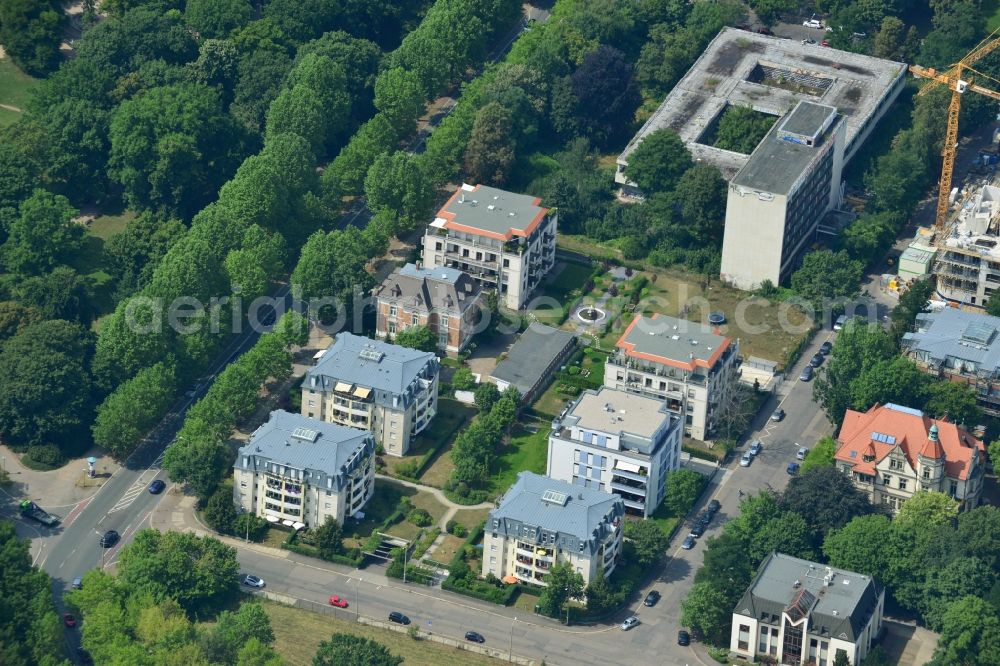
<point>463,380</point>
<point>44,455</point>
<point>573,369</point>
<point>420,517</point>
<point>457,529</point>
<point>250,527</point>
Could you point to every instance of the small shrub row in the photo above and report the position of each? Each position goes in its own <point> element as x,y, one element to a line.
<point>425,542</point>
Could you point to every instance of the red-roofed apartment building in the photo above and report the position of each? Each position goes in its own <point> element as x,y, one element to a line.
<point>891,452</point>
<point>690,366</point>
<point>505,241</point>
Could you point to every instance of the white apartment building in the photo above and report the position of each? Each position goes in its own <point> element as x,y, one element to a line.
<point>801,612</point>
<point>618,442</point>
<point>373,385</point>
<point>505,241</point>
<point>299,471</point>
<point>690,366</point>
<point>540,522</point>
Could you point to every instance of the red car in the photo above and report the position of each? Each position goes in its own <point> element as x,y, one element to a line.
<point>824,43</point>
<point>69,620</point>
<point>339,602</point>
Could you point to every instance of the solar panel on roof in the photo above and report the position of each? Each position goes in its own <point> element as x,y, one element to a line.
<point>882,437</point>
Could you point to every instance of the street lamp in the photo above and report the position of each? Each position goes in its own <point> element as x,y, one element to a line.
<point>510,650</point>
<point>357,599</point>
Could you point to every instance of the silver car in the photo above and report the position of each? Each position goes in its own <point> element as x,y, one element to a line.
<point>630,622</point>
<point>746,459</point>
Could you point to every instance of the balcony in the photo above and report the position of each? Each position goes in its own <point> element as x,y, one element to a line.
<point>631,476</point>
<point>633,504</point>
<point>631,490</point>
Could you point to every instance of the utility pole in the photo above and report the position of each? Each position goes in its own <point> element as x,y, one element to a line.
<point>357,599</point>
<point>406,548</point>
<point>510,650</point>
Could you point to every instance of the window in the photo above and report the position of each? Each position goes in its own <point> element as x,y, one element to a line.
<point>311,415</point>
<point>744,638</point>
<point>953,488</point>
<point>243,484</point>
<point>895,464</point>
<point>415,319</point>
<point>493,560</point>
<point>392,310</point>
<point>886,479</point>
<point>392,435</point>
<point>902,484</point>
<point>444,321</point>
<point>327,505</point>
<point>762,646</point>
<point>312,403</point>
<point>392,327</point>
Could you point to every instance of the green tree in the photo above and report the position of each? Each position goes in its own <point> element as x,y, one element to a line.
<point>895,379</point>
<point>298,110</point>
<point>329,538</point>
<point>195,571</point>
<point>563,584</point>
<point>417,337</point>
<point>293,329</point>
<point>217,18</point>
<point>260,259</point>
<point>928,508</point>
<point>249,623</point>
<point>259,76</point>
<point>861,545</point>
<point>486,395</point>
<point>701,196</point>
<point>648,539</point>
<point>659,162</point>
<point>399,95</point>
<point>601,595</point>
<point>826,276</point>
<point>138,37</point>
<point>134,253</point>
<point>463,380</point>
<point>960,577</point>
<point>31,31</point>
<point>970,634</point>
<point>604,93</point>
<point>993,307</point>
<point>255,653</point>
<point>14,316</point>
<point>42,236</point>
<point>683,488</point>
<point>890,37</point>
<point>126,415</point>
<point>821,454</point>
<point>59,294</point>
<point>172,148</point>
<point>220,510</point>
<point>741,128</point>
<point>841,659</point>
<point>45,386</point>
<point>706,611</point>
<point>912,302</point>
<point>490,153</point>
<point>333,265</point>
<point>397,183</point>
<point>858,347</point>
<point>350,650</point>
<point>954,401</point>
<point>979,534</point>
<point>826,498</point>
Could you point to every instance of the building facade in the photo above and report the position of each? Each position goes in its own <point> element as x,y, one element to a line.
<point>892,452</point>
<point>505,241</point>
<point>445,300</point>
<point>540,522</point>
<point>299,471</point>
<point>618,442</point>
<point>691,367</point>
<point>967,263</point>
<point>389,390</point>
<point>777,200</point>
<point>962,347</point>
<point>800,612</point>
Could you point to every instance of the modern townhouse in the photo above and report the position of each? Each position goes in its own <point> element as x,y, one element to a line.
<point>618,442</point>
<point>690,366</point>
<point>540,522</point>
<point>299,471</point>
<point>384,388</point>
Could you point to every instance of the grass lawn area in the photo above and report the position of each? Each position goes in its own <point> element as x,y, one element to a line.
<point>471,517</point>
<point>382,504</point>
<point>106,226</point>
<point>427,501</point>
<point>527,451</point>
<point>526,601</point>
<point>274,537</point>
<point>570,278</point>
<point>587,246</point>
<point>666,520</point>
<point>440,469</point>
<point>447,549</point>
<point>8,117</point>
<point>404,530</point>
<point>451,416</point>
<point>298,633</point>
<point>15,87</point>
<point>552,401</point>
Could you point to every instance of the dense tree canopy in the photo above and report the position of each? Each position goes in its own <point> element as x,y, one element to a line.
<point>350,650</point>
<point>42,236</point>
<point>741,128</point>
<point>417,337</point>
<point>658,163</point>
<point>216,18</point>
<point>31,633</point>
<point>31,31</point>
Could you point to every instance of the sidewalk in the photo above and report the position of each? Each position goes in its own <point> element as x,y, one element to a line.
<point>60,488</point>
<point>453,507</point>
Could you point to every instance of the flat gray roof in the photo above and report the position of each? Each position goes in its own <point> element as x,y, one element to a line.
<point>807,119</point>
<point>492,210</point>
<point>371,363</point>
<point>776,164</point>
<point>530,357</point>
<point>304,443</point>
<point>733,70</point>
<point>670,339</point>
<point>843,606</point>
<point>584,510</point>
<point>609,410</point>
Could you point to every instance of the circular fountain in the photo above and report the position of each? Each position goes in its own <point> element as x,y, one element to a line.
<point>590,314</point>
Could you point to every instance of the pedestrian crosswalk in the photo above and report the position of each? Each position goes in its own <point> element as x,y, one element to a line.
<point>140,486</point>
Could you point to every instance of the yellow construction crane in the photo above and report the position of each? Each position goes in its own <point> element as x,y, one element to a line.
<point>958,81</point>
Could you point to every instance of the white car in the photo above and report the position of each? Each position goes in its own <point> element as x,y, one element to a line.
<point>630,622</point>
<point>252,581</point>
<point>756,447</point>
<point>746,459</point>
<point>801,454</point>
<point>813,23</point>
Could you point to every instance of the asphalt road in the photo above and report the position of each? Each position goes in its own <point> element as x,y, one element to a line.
<point>652,642</point>
<point>123,503</point>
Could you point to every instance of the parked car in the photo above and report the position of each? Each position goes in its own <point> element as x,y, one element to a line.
<point>713,506</point>
<point>705,518</point>
<point>697,530</point>
<point>746,459</point>
<point>156,487</point>
<point>475,637</point>
<point>824,43</point>
<point>630,622</point>
<point>817,360</point>
<point>778,414</point>
<point>78,583</point>
<point>651,598</point>
<point>252,581</point>
<point>807,374</point>
<point>398,618</point>
<point>801,453</point>
<point>839,324</point>
<point>793,468</point>
<point>826,348</point>
<point>756,447</point>
<point>339,602</point>
<point>688,543</point>
<point>683,638</point>
<point>69,620</point>
<point>813,23</point>
<point>806,42</point>
<point>109,539</point>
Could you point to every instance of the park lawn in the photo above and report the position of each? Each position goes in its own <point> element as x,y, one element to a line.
<point>471,517</point>
<point>106,226</point>
<point>560,288</point>
<point>447,549</point>
<point>8,117</point>
<point>383,503</point>
<point>440,470</point>
<point>552,401</point>
<point>15,85</point>
<point>404,530</point>
<point>450,418</point>
<point>526,451</point>
<point>587,246</point>
<point>427,501</point>
<point>298,633</point>
<point>526,601</point>
<point>665,519</point>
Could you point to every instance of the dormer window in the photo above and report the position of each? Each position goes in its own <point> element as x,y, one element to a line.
<point>868,457</point>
